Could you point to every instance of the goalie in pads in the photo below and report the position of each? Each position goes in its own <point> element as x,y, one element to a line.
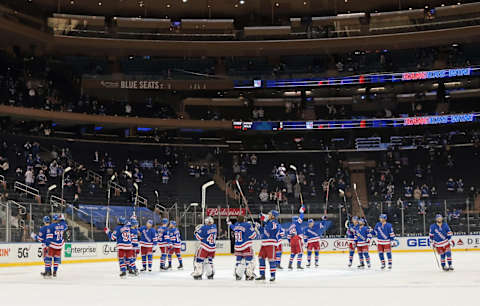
<point>244,233</point>
<point>207,235</point>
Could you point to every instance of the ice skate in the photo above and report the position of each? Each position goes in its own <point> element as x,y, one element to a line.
<point>261,278</point>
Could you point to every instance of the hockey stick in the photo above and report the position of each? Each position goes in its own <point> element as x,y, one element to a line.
<point>360,203</point>
<point>298,182</point>
<point>245,202</point>
<point>326,196</point>
<point>436,258</point>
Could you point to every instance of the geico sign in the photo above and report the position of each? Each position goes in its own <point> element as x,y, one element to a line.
<point>418,242</point>
<point>340,244</point>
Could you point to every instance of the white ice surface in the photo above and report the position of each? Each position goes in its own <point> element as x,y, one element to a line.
<point>414,280</point>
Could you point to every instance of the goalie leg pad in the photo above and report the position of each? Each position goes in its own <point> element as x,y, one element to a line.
<point>209,269</point>
<point>250,270</point>
<point>197,268</point>
<point>240,269</point>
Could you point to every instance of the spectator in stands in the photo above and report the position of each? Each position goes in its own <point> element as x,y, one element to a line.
<point>253,160</point>
<point>425,191</point>
<point>451,185</point>
<point>263,196</point>
<point>138,176</point>
<point>53,169</point>
<point>41,179</point>
<point>4,165</point>
<point>29,177</point>
<point>408,190</point>
<point>165,175</point>
<point>417,193</point>
<point>459,185</point>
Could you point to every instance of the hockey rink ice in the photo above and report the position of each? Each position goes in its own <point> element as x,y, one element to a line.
<point>414,280</point>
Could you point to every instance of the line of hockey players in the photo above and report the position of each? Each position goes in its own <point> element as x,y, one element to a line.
<point>271,234</point>
<point>132,240</point>
<point>359,235</point>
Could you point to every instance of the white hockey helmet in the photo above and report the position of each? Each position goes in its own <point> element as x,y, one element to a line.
<point>209,220</point>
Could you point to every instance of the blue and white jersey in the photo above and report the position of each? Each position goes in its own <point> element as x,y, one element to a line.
<point>363,236</point>
<point>384,233</point>
<point>281,235</point>
<point>207,235</point>
<point>123,236</point>
<point>269,233</point>
<point>244,233</point>
<point>163,237</point>
<point>42,235</point>
<point>440,235</point>
<point>296,228</point>
<point>134,235</point>
<point>312,235</point>
<point>55,234</point>
<point>148,237</point>
<point>351,232</point>
<point>175,238</point>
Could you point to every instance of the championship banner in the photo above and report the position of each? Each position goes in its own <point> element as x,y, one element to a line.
<point>225,212</point>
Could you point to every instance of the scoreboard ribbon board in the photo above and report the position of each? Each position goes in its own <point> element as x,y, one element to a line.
<point>354,124</point>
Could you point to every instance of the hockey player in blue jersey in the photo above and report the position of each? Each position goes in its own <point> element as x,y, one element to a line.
<point>207,235</point>
<point>440,239</point>
<point>363,236</point>
<point>148,241</point>
<point>163,238</point>
<point>269,234</point>
<point>244,233</point>
<point>175,245</point>
<point>352,227</point>
<point>135,245</point>
<point>312,239</point>
<point>55,241</point>
<point>122,235</point>
<point>41,237</point>
<point>295,236</point>
<point>385,237</point>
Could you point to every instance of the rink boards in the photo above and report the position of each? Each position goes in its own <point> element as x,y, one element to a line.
<point>18,254</point>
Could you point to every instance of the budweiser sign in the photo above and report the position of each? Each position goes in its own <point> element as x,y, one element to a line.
<point>224,212</point>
